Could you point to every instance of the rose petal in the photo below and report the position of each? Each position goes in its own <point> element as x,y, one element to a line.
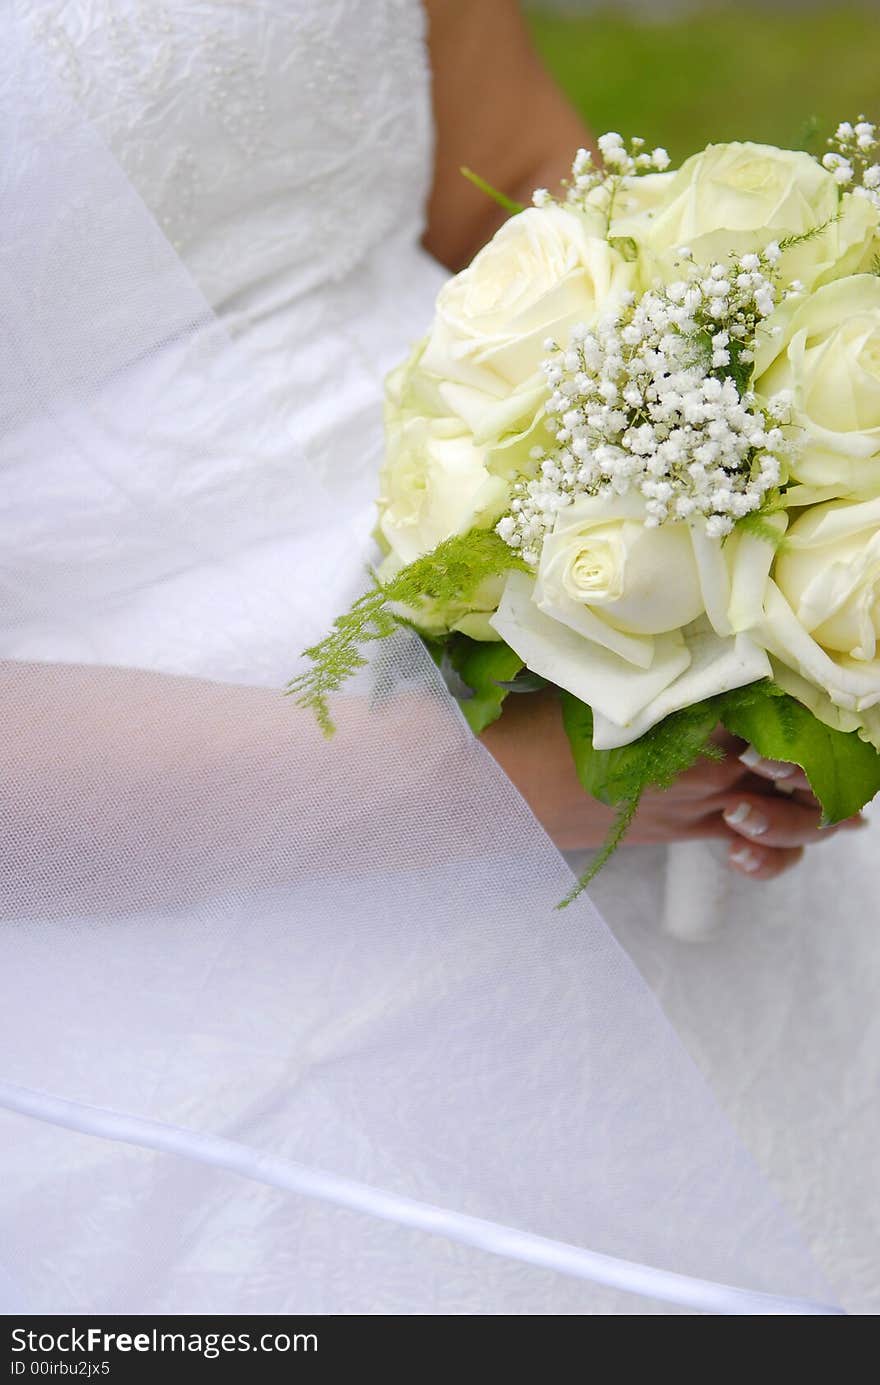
<point>751,559</point>
<point>714,578</point>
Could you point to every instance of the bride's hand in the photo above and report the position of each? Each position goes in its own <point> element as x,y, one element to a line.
<point>729,799</point>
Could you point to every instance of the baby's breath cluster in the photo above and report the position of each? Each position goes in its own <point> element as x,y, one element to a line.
<point>655,400</point>
<point>621,161</point>
<point>853,159</point>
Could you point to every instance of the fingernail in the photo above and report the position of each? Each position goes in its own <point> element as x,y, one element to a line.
<point>746,819</point>
<point>773,769</point>
<point>855,822</point>
<point>746,859</point>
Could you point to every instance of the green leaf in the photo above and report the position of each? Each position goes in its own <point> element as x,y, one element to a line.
<point>524,682</point>
<point>501,198</point>
<point>844,771</point>
<point>484,668</point>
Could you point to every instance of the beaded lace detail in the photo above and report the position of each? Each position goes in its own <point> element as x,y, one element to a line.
<point>267,136</point>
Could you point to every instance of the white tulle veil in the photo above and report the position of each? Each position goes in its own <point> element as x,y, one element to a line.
<point>288,1024</point>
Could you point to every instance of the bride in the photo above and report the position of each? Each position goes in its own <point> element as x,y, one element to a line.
<point>289,1026</point>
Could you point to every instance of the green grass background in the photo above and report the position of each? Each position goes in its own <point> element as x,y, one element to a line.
<point>739,72</point>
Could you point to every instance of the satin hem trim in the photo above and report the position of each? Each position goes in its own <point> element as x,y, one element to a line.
<point>702,1295</point>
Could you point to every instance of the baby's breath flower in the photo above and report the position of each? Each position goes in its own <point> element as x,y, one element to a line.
<point>853,159</point>
<point>638,402</point>
<point>840,168</point>
<point>621,163</point>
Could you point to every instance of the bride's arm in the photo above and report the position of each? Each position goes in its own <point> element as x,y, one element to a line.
<point>496,110</point>
<point>123,789</point>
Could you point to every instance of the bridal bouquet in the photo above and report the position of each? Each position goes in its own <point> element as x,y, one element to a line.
<point>637,458</point>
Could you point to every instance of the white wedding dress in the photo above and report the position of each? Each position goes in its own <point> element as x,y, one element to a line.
<point>284,150</point>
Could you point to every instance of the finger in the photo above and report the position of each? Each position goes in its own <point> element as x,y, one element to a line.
<point>727,741</point>
<point>761,862</point>
<point>784,776</point>
<point>775,821</point>
<point>751,783</point>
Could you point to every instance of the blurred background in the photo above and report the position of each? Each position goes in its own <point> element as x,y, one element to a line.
<point>681,73</point>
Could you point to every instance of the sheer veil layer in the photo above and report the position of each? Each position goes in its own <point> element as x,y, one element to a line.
<point>286,1025</point>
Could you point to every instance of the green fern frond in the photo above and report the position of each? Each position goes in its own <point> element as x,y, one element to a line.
<point>451,574</point>
<point>804,237</point>
<point>621,825</point>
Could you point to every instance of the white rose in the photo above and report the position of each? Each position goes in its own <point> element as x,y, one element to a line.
<point>822,610</point>
<point>435,481</point>
<point>600,567</point>
<point>828,358</point>
<point>738,197</point>
<point>631,620</point>
<point>544,270</point>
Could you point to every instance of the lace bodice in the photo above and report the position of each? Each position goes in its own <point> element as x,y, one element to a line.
<point>276,141</point>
